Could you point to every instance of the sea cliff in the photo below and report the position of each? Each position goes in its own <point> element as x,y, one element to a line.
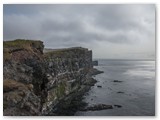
<point>44,83</point>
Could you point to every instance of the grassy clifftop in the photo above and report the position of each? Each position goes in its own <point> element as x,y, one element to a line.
<point>19,45</point>
<point>65,52</point>
<point>22,44</point>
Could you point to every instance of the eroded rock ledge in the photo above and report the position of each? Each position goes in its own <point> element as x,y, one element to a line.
<point>44,83</point>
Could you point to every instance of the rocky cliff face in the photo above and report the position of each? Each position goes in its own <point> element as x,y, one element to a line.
<point>37,83</point>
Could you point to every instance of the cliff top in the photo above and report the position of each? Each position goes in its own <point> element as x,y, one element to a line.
<point>65,51</point>
<point>20,45</point>
<point>23,49</point>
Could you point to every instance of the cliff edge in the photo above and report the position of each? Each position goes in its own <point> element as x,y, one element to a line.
<point>43,83</point>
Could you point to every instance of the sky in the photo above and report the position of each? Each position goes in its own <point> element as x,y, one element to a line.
<point>113,31</point>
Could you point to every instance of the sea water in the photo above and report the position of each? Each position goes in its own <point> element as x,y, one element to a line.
<point>136,92</point>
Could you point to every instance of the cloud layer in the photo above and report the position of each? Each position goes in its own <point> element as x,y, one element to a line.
<point>111,31</point>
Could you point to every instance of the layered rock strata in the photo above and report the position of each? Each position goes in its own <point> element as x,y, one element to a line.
<point>43,83</point>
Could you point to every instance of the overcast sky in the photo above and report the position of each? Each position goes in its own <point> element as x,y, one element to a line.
<point>110,31</point>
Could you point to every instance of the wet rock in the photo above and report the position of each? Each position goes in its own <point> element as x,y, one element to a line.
<point>120,92</point>
<point>99,86</point>
<point>117,81</point>
<point>97,107</point>
<point>90,82</point>
<point>94,71</point>
<point>118,106</point>
<point>95,63</point>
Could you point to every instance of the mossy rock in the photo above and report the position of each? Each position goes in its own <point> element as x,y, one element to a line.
<point>60,90</point>
<point>6,55</point>
<point>10,85</point>
<point>57,92</point>
<point>5,104</point>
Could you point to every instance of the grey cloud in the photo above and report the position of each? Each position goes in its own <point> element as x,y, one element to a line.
<point>130,26</point>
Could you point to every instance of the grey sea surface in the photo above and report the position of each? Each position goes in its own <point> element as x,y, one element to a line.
<point>136,92</point>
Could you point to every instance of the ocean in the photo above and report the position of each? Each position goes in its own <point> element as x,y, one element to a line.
<point>135,93</point>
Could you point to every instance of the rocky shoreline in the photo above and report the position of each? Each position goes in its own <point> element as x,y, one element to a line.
<point>77,103</point>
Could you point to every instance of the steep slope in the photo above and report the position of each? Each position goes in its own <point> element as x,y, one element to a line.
<point>37,83</point>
